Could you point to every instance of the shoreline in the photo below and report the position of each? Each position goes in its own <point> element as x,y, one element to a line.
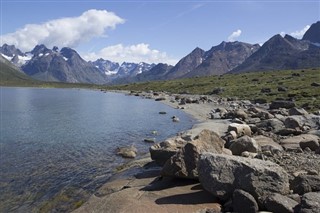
<point>141,172</point>
<point>173,187</point>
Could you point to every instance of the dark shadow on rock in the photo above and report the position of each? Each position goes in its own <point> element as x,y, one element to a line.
<point>162,183</point>
<point>193,198</point>
<point>197,187</point>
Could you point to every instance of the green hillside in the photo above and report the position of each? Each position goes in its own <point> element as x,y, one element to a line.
<point>11,76</point>
<point>299,85</point>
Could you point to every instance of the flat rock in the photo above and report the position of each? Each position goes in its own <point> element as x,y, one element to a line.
<point>159,196</point>
<point>294,142</point>
<point>267,144</point>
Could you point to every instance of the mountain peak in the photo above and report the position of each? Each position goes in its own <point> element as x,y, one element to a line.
<point>10,50</point>
<point>313,33</point>
<point>40,49</point>
<point>68,52</point>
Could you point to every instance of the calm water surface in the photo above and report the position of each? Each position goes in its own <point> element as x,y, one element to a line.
<point>57,145</point>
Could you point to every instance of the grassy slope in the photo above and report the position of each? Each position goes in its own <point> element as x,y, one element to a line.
<point>245,86</point>
<point>10,76</point>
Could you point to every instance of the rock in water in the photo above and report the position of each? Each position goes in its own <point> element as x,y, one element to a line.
<point>127,152</point>
<point>221,175</point>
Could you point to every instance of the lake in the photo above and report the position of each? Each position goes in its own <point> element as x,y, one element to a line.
<point>57,146</point>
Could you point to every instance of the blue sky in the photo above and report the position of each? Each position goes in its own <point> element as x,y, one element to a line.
<point>151,31</point>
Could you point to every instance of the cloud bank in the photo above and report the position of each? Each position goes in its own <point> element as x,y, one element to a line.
<point>234,35</point>
<point>299,33</point>
<point>63,32</point>
<point>132,53</point>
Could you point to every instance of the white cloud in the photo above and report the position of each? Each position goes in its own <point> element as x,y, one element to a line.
<point>64,31</point>
<point>299,33</point>
<point>234,35</point>
<point>133,53</point>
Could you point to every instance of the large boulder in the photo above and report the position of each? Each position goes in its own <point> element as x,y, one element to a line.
<point>310,203</point>
<point>245,143</point>
<point>221,175</point>
<point>273,124</point>
<point>184,163</point>
<point>279,203</point>
<point>240,129</point>
<point>294,142</point>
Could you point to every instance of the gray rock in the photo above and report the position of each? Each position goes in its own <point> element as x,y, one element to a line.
<point>163,151</point>
<point>241,114</point>
<point>310,203</point>
<point>297,111</point>
<point>273,124</point>
<point>282,104</point>
<point>267,144</point>
<point>305,183</point>
<point>293,123</point>
<point>294,142</point>
<point>243,202</point>
<point>245,143</point>
<point>279,203</point>
<point>288,131</point>
<point>222,174</point>
<point>184,163</point>
<point>240,129</point>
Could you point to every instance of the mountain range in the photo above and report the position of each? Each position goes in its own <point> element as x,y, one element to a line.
<point>66,65</point>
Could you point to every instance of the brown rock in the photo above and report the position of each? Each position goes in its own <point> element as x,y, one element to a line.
<point>184,163</point>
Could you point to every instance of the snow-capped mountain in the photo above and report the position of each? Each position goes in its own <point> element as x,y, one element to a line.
<point>65,65</point>
<point>126,69</point>
<point>107,67</point>
<point>16,56</point>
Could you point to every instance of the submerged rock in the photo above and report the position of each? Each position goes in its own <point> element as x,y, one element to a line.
<point>127,152</point>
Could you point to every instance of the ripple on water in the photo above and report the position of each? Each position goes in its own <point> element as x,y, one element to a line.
<point>57,145</point>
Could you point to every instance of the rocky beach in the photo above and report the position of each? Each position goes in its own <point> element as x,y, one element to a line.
<point>240,157</point>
